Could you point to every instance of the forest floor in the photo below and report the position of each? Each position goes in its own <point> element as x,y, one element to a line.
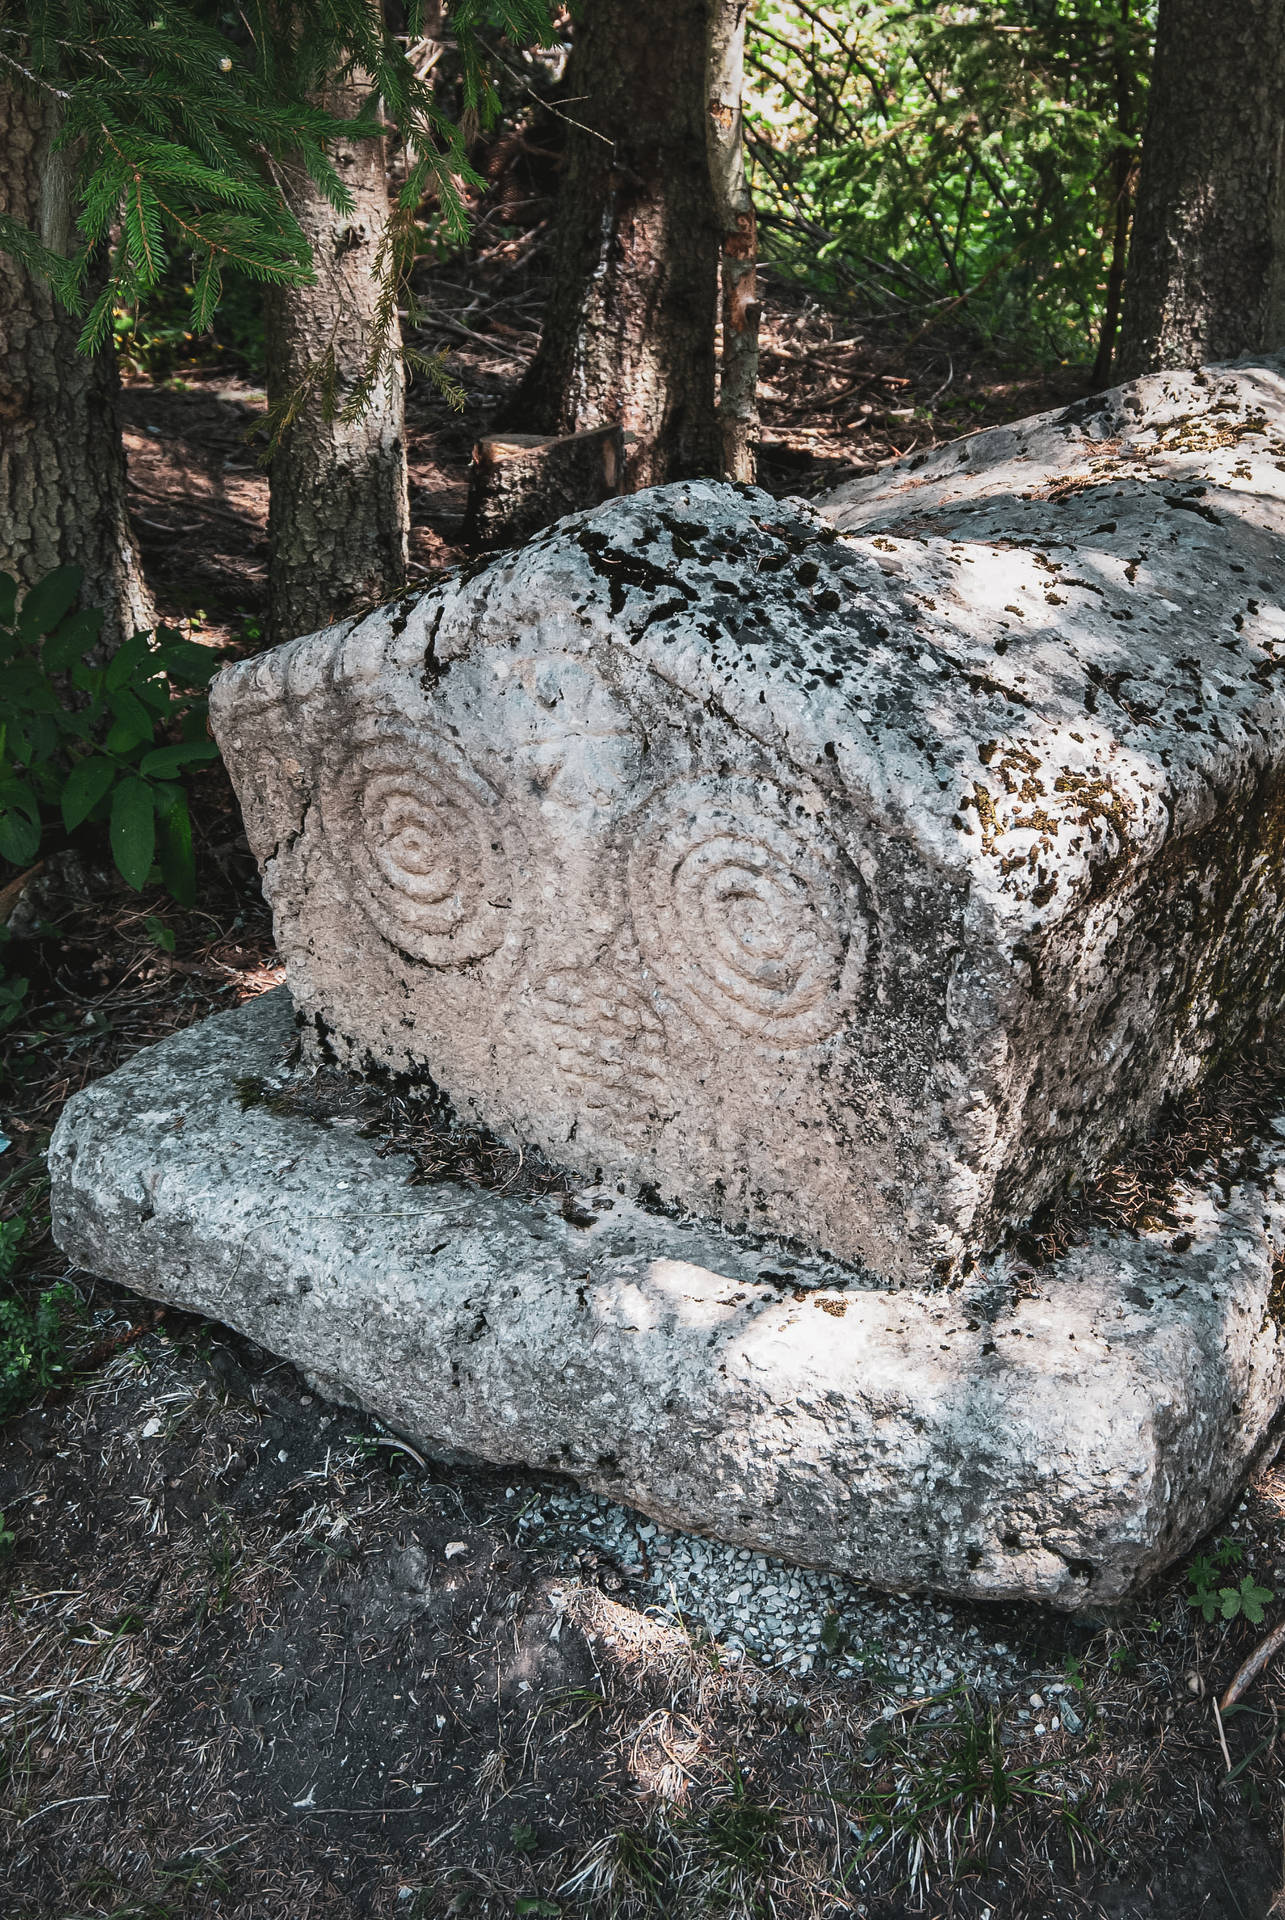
<point>258,1661</point>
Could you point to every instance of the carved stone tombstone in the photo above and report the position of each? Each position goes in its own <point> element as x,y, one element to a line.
<point>867,888</point>
<point>860,877</point>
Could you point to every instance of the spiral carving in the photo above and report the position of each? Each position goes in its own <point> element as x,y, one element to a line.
<point>420,831</point>
<point>740,915</point>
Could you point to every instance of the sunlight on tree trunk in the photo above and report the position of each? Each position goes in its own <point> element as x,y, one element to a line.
<point>738,373</point>
<point>339,511</point>
<point>1206,276</point>
<point>62,465</point>
<point>629,331</point>
<point>1124,163</point>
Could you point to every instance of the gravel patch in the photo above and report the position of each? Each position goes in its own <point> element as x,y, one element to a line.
<point>753,1606</point>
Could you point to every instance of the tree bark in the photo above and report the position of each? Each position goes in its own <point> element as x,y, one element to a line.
<point>1123,165</point>
<point>521,483</point>
<point>62,464</point>
<point>738,417</point>
<point>1206,278</point>
<point>339,513</point>
<point>629,331</point>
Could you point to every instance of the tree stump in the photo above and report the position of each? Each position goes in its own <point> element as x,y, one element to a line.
<point>521,482</point>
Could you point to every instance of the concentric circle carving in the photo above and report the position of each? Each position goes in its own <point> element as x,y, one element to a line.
<point>421,833</point>
<point>741,912</point>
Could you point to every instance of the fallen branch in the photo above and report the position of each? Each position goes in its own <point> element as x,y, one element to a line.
<point>1248,1672</point>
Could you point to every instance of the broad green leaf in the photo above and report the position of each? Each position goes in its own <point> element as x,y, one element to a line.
<point>1253,1599</point>
<point>164,762</point>
<point>133,830</point>
<point>134,723</point>
<point>166,795</point>
<point>70,642</point>
<point>154,694</point>
<point>17,795</point>
<point>28,687</point>
<point>19,837</point>
<point>126,661</point>
<point>87,783</point>
<point>42,738</point>
<point>12,994</point>
<point>48,601</point>
<point>8,598</point>
<point>178,862</point>
<point>187,663</point>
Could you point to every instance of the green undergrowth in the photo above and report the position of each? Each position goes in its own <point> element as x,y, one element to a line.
<point>33,1347</point>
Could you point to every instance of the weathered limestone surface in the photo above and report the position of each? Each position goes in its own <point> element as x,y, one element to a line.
<point>871,883</point>
<point>1055,1436</point>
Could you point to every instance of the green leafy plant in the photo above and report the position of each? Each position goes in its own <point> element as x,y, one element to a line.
<point>922,159</point>
<point>13,987</point>
<point>32,1349</point>
<point>1246,1600</point>
<point>84,743</point>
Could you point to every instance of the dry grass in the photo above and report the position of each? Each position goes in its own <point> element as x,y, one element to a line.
<point>244,1676</point>
<point>262,1687</point>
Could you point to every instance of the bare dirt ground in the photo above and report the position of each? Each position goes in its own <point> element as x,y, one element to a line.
<point>837,398</point>
<point>258,1661</point>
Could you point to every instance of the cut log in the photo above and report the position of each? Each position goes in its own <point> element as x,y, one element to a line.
<point>521,482</point>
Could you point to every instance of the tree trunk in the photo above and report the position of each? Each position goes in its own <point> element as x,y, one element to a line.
<point>520,483</point>
<point>1123,164</point>
<point>738,374</point>
<point>62,465</point>
<point>339,510</point>
<point>629,332</point>
<point>1206,276</point>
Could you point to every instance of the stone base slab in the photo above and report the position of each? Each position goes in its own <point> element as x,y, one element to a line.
<point>1057,1436</point>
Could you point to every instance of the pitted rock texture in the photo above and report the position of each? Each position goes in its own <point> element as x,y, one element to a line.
<point>870,880</point>
<point>1055,1436</point>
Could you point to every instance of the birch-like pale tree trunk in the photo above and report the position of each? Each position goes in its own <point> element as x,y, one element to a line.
<point>738,417</point>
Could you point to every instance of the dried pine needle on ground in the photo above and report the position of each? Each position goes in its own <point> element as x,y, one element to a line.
<point>259,1660</point>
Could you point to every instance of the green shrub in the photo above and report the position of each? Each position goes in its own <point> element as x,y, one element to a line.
<point>1246,1600</point>
<point>32,1350</point>
<point>79,738</point>
<point>920,158</point>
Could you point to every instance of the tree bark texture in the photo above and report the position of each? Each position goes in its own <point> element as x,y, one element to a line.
<point>1206,278</point>
<point>339,513</point>
<point>520,483</point>
<point>738,371</point>
<point>1124,163</point>
<point>629,331</point>
<point>62,464</point>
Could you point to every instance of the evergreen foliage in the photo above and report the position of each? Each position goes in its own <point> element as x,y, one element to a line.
<point>921,157</point>
<point>179,118</point>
